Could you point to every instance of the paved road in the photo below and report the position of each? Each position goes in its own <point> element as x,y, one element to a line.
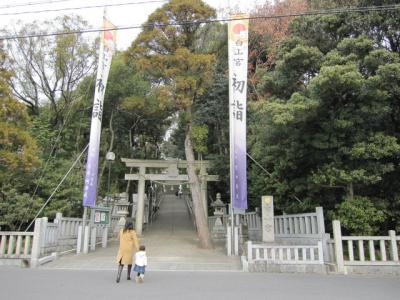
<point>45,284</point>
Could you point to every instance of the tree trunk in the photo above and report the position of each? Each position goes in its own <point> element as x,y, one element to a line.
<point>201,222</point>
<point>351,190</point>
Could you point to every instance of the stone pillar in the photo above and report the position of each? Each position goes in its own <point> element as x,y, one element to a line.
<point>43,234</point>
<point>267,212</point>
<point>337,237</point>
<point>320,220</point>
<point>249,251</point>
<point>59,233</point>
<point>236,240</point>
<point>86,237</point>
<point>93,235</point>
<point>229,240</point>
<point>104,237</point>
<point>140,204</point>
<point>393,246</point>
<point>36,245</point>
<point>79,239</point>
<point>321,231</point>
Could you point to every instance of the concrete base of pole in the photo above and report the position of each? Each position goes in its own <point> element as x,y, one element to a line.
<point>86,240</point>
<point>229,241</point>
<point>79,240</point>
<point>236,240</point>
<point>93,234</point>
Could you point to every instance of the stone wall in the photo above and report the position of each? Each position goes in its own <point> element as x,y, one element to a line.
<point>264,266</point>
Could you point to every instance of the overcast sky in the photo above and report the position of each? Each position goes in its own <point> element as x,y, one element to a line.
<point>124,15</point>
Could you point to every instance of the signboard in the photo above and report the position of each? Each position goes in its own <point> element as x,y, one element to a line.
<point>100,216</point>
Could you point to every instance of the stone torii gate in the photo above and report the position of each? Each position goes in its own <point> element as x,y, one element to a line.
<point>164,170</point>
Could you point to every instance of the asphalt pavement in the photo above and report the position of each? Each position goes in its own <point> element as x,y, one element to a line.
<point>53,284</point>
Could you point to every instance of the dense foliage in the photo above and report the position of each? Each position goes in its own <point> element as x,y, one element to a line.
<point>323,111</point>
<point>327,125</point>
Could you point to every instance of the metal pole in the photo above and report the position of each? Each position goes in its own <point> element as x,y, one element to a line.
<point>108,182</point>
<point>232,230</point>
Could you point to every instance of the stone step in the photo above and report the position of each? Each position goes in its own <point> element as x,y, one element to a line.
<point>177,266</point>
<point>193,264</point>
<point>154,263</point>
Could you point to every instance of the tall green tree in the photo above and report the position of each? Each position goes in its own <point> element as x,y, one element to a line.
<point>48,69</point>
<point>134,123</point>
<point>328,128</point>
<point>18,152</point>
<point>179,74</point>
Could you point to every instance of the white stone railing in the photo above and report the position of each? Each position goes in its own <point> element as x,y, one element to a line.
<point>300,225</point>
<point>60,236</point>
<point>16,244</point>
<point>252,220</point>
<point>308,225</point>
<point>305,254</point>
<point>364,250</point>
<point>68,226</point>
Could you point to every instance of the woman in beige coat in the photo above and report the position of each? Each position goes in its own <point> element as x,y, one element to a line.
<point>128,245</point>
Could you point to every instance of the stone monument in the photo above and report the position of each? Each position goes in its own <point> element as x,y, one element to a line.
<point>267,209</point>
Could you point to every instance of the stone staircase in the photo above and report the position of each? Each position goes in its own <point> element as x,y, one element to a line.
<point>171,245</point>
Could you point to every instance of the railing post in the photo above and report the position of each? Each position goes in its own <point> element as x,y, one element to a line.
<point>320,253</point>
<point>44,236</point>
<point>229,240</point>
<point>86,237</point>
<point>58,233</point>
<point>36,244</point>
<point>236,245</point>
<point>249,251</point>
<point>79,239</point>
<point>93,237</point>
<point>3,244</point>
<point>337,237</point>
<point>320,220</point>
<point>11,245</point>
<point>394,254</point>
<point>104,237</point>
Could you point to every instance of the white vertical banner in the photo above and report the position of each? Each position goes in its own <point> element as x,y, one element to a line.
<point>238,29</point>
<point>107,48</point>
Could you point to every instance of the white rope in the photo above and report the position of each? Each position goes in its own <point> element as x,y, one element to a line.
<point>52,194</point>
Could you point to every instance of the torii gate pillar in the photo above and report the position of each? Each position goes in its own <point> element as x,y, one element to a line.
<point>140,203</point>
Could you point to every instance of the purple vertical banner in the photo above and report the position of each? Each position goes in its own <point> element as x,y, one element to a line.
<point>238,51</point>
<point>107,47</point>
